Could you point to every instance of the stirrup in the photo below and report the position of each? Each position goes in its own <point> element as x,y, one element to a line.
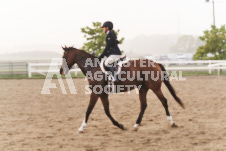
<point>111,78</point>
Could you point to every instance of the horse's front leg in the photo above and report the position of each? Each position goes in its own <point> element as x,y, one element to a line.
<point>93,99</point>
<point>105,102</point>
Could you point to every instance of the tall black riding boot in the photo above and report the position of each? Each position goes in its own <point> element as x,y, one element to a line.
<point>113,73</point>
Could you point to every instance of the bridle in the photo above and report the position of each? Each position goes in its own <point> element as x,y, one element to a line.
<point>64,64</point>
<point>65,56</point>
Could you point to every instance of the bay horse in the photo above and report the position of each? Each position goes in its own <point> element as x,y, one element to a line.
<point>72,55</point>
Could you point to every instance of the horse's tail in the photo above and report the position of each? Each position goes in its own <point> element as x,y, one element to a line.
<point>170,87</point>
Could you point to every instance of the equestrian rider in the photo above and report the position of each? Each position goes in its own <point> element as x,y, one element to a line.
<point>111,51</point>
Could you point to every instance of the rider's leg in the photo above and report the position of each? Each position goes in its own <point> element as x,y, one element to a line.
<point>111,68</point>
<point>109,64</point>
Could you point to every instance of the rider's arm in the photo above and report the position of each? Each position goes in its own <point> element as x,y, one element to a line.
<point>110,39</point>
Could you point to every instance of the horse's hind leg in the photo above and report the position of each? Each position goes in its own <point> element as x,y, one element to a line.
<point>165,105</point>
<point>143,106</point>
<point>105,102</point>
<point>93,99</point>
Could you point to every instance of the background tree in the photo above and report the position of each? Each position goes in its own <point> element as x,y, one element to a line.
<point>96,38</point>
<point>215,44</point>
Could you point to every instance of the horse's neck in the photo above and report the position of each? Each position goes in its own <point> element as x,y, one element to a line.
<point>81,62</point>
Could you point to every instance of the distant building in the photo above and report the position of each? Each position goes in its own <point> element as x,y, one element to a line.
<point>172,57</point>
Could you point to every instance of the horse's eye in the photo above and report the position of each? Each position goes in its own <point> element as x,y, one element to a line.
<point>65,55</point>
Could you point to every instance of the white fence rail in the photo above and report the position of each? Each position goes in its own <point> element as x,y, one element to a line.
<point>198,65</point>
<point>209,65</point>
<point>43,68</point>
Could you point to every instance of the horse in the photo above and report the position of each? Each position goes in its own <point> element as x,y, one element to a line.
<point>72,55</point>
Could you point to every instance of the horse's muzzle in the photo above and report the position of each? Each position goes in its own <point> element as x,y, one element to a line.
<point>61,71</point>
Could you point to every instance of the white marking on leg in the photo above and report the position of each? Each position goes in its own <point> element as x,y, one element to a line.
<point>81,128</point>
<point>136,125</point>
<point>170,119</point>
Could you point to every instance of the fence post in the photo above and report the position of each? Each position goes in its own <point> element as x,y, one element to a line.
<point>76,73</point>
<point>29,70</point>
<point>210,71</point>
<point>9,69</point>
<point>12,70</point>
<point>219,70</point>
<point>166,65</point>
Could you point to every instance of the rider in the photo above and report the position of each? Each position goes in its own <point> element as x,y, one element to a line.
<point>111,51</point>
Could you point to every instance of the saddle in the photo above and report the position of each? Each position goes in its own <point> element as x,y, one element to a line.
<point>117,65</point>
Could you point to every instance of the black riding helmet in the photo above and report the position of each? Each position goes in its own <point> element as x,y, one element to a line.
<point>108,24</point>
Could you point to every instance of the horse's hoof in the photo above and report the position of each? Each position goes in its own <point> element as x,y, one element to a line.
<point>135,128</point>
<point>121,127</point>
<point>80,132</point>
<point>174,125</point>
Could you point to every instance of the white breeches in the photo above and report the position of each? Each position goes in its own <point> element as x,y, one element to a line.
<point>111,59</point>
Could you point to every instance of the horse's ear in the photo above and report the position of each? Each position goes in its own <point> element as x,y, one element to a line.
<point>64,48</point>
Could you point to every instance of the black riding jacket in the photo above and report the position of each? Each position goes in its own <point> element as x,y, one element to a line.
<point>112,45</point>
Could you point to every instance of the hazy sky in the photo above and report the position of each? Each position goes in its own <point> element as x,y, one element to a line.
<point>28,25</point>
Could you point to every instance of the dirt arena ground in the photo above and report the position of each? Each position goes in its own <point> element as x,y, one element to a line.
<point>30,120</point>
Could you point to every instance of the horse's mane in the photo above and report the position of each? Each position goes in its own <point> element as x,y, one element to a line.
<point>72,48</point>
<point>68,48</point>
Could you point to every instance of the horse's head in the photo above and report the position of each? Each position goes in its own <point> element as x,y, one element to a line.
<point>68,60</point>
